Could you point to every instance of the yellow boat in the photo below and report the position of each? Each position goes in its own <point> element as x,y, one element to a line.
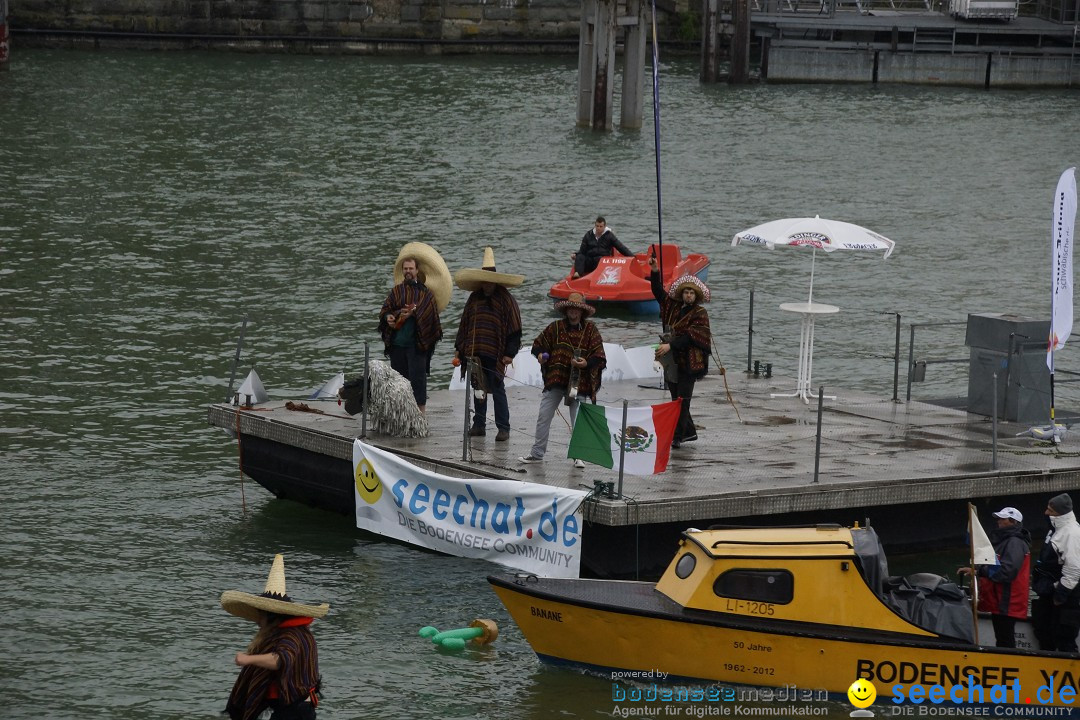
<point>812,607</point>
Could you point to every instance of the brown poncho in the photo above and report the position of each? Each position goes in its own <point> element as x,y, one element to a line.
<point>688,325</point>
<point>560,340</point>
<point>428,327</point>
<point>296,677</point>
<point>489,326</point>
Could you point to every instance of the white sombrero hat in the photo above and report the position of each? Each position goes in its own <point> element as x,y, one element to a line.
<point>472,279</point>
<point>575,300</point>
<point>273,599</point>
<point>692,282</point>
<point>430,263</point>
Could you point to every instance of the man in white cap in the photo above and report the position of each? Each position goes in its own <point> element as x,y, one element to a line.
<point>1056,612</point>
<point>280,668</point>
<point>571,356</point>
<point>1003,588</point>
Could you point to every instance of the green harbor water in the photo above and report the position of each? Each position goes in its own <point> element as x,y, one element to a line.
<point>149,202</point>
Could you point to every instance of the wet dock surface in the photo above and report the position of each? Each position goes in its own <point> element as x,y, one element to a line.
<point>755,455</point>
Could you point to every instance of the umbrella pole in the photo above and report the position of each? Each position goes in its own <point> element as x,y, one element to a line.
<point>813,257</point>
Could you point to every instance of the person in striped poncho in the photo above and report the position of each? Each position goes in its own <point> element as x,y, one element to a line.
<point>280,667</point>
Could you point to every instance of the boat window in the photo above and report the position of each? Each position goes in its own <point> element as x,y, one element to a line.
<point>685,566</point>
<point>772,586</point>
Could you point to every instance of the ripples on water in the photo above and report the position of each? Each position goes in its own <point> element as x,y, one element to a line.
<point>151,201</point>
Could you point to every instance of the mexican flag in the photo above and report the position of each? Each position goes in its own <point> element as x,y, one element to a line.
<point>649,430</point>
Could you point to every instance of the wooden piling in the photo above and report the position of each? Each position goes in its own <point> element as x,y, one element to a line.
<point>585,54</point>
<point>710,42</point>
<point>633,86</point>
<point>5,43</point>
<point>600,26</point>
<point>740,43</point>
<point>596,64</point>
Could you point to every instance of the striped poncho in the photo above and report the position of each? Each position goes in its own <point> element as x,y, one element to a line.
<point>490,326</point>
<point>296,677</point>
<point>688,326</point>
<point>560,339</point>
<point>428,328</point>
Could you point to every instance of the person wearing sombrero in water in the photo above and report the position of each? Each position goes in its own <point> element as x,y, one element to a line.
<point>490,330</point>
<point>280,668</point>
<point>688,339</point>
<point>566,348</point>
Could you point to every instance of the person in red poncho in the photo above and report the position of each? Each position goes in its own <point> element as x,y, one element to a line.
<point>280,668</point>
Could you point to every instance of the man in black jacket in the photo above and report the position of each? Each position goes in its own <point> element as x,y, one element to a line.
<point>597,243</point>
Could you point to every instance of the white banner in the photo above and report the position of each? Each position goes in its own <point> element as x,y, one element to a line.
<point>1061,302</point>
<point>526,526</point>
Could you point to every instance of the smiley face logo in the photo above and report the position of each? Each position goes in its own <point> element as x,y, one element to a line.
<point>367,483</point>
<point>862,693</point>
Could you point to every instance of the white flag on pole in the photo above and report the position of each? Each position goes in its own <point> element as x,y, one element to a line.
<point>1061,302</point>
<point>982,550</point>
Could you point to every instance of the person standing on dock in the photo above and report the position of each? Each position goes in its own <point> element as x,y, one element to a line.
<point>1056,612</point>
<point>490,331</point>
<point>409,319</point>
<point>598,242</point>
<point>1003,588</point>
<point>280,668</point>
<point>687,338</point>
<point>571,356</point>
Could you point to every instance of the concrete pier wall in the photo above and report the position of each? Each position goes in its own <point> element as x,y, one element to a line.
<point>975,69</point>
<point>1034,72</point>
<point>932,68</point>
<point>814,65</point>
<point>448,20</point>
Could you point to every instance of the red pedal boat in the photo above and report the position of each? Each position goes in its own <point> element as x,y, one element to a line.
<point>623,282</point>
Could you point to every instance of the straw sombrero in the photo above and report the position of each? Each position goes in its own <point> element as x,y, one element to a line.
<point>430,263</point>
<point>689,281</point>
<point>472,279</point>
<point>273,599</point>
<point>575,300</point>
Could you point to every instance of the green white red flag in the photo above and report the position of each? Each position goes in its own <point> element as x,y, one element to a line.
<point>646,444</point>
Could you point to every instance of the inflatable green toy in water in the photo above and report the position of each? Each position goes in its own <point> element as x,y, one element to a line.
<point>481,632</point>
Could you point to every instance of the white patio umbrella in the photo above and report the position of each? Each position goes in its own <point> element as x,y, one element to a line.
<point>815,233</point>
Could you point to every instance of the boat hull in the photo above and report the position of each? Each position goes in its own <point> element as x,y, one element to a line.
<point>612,627</point>
<point>622,283</point>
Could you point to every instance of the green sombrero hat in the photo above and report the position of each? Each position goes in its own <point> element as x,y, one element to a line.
<point>273,599</point>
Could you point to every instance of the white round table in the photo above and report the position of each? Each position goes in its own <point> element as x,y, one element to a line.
<point>809,311</point>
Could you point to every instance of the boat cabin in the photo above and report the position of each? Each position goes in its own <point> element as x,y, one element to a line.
<point>821,574</point>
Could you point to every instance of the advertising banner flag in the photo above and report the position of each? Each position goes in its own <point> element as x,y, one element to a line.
<point>646,443</point>
<point>526,526</point>
<point>982,550</point>
<point>1061,297</point>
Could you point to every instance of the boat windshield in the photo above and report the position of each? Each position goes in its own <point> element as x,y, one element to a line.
<point>872,563</point>
<point>926,600</point>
